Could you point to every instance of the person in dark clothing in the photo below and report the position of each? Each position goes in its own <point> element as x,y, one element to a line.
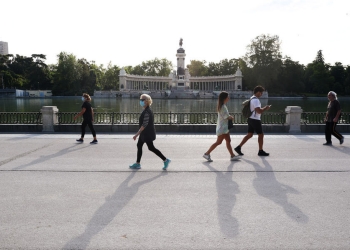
<point>88,118</point>
<point>147,133</point>
<point>332,118</point>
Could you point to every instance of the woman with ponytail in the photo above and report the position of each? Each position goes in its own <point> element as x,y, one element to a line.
<point>222,130</point>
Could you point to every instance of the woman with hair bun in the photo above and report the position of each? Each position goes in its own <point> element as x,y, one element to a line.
<point>88,118</point>
<point>147,133</point>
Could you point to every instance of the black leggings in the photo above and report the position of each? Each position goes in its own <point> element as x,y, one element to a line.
<point>150,147</point>
<point>330,130</point>
<point>91,127</point>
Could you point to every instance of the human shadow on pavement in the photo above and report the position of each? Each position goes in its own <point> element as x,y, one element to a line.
<point>42,159</point>
<point>266,185</point>
<point>109,210</point>
<point>227,189</point>
<point>341,148</point>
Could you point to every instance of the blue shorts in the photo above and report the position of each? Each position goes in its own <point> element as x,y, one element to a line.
<point>254,126</point>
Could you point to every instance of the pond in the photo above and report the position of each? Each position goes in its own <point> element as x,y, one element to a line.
<point>73,104</point>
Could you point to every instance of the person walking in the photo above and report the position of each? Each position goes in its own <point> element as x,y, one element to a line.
<point>222,130</point>
<point>88,118</point>
<point>147,133</point>
<point>254,122</point>
<point>332,118</point>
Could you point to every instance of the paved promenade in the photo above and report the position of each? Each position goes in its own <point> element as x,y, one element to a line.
<point>58,194</point>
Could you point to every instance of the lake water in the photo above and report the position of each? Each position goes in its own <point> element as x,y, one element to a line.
<point>73,104</point>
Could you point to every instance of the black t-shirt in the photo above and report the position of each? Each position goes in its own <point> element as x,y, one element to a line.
<point>333,108</point>
<point>88,113</point>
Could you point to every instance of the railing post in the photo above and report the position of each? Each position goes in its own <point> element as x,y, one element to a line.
<point>293,116</point>
<point>170,117</point>
<point>49,116</point>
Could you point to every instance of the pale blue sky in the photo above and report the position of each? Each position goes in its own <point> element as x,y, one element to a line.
<point>129,32</point>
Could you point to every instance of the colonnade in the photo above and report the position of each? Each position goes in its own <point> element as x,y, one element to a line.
<point>150,85</point>
<point>212,86</point>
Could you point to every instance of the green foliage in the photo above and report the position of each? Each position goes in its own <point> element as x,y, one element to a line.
<point>25,72</point>
<point>110,79</point>
<point>155,67</point>
<point>197,68</point>
<point>290,77</point>
<point>264,57</point>
<point>68,72</point>
<point>319,57</point>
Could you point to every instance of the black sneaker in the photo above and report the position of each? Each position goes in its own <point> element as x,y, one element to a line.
<point>342,140</point>
<point>263,153</point>
<point>327,144</point>
<point>94,142</point>
<point>80,140</point>
<point>238,150</point>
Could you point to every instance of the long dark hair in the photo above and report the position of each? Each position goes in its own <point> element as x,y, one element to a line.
<point>222,97</point>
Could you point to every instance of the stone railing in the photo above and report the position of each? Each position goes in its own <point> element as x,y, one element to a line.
<point>49,119</point>
<point>167,118</point>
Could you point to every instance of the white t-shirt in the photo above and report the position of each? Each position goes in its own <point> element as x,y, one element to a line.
<point>254,103</point>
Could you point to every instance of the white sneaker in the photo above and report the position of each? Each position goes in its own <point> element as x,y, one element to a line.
<point>207,157</point>
<point>236,158</point>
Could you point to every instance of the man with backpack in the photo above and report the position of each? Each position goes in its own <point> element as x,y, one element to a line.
<point>254,121</point>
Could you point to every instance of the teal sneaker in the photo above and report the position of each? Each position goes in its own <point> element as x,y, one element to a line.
<point>166,164</point>
<point>135,166</point>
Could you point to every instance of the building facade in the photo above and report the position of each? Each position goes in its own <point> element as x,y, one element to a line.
<point>179,84</point>
<point>4,48</point>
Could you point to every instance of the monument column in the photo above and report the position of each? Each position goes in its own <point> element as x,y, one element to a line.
<point>180,66</point>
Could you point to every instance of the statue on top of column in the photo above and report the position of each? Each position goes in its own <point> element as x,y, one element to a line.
<point>180,42</point>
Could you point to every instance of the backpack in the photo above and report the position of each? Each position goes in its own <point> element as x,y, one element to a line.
<point>246,112</point>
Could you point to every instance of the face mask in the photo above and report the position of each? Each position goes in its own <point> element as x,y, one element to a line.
<point>142,103</point>
<point>82,98</point>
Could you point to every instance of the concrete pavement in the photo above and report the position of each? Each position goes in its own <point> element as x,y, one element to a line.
<point>58,194</point>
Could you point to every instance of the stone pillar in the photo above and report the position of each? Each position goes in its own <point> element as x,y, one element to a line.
<point>293,116</point>
<point>49,117</point>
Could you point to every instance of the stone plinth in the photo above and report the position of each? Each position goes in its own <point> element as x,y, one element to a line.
<point>293,115</point>
<point>49,117</point>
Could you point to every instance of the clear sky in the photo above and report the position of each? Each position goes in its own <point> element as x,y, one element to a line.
<point>127,32</point>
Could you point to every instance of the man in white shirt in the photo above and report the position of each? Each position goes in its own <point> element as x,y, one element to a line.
<point>254,122</point>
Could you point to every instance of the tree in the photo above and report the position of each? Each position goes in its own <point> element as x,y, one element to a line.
<point>224,67</point>
<point>197,68</point>
<point>40,75</point>
<point>347,81</point>
<point>88,78</point>
<point>67,75</point>
<point>291,77</point>
<point>110,78</point>
<point>319,57</point>
<point>339,73</point>
<point>248,80</point>
<point>156,67</point>
<point>264,57</point>
<point>318,77</point>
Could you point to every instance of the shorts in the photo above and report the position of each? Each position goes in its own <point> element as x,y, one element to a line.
<point>254,126</point>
